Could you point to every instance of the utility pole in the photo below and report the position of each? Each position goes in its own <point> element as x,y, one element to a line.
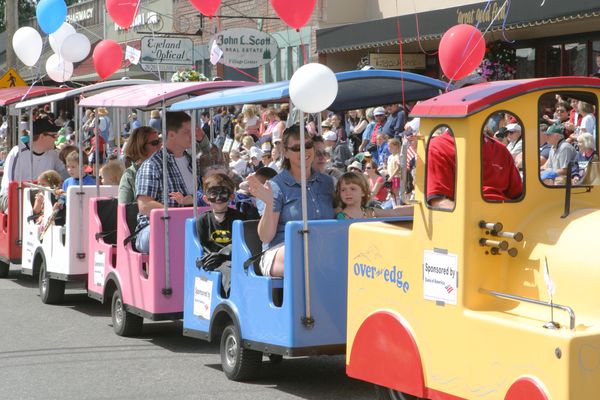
<point>11,13</point>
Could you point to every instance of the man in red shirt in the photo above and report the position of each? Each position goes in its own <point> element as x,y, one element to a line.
<point>501,179</point>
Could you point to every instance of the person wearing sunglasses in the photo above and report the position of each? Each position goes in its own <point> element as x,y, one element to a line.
<point>141,144</point>
<point>282,202</point>
<point>18,163</point>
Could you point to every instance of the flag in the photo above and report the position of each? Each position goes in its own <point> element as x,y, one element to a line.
<point>132,55</point>
<point>410,155</point>
<point>550,287</point>
<point>215,53</point>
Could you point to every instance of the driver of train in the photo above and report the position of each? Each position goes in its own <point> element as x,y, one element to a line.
<point>18,164</point>
<point>501,179</point>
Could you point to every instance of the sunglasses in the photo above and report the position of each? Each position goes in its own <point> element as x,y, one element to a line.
<point>154,142</point>
<point>296,148</point>
<point>52,135</point>
<point>218,194</point>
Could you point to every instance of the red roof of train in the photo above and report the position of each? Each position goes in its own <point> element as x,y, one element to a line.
<point>468,100</point>
<point>15,94</point>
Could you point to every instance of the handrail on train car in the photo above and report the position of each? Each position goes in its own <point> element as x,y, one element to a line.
<point>568,309</point>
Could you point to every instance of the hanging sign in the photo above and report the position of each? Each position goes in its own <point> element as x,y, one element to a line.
<point>245,47</point>
<point>166,54</point>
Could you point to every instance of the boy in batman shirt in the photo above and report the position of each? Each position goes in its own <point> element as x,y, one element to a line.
<point>214,227</point>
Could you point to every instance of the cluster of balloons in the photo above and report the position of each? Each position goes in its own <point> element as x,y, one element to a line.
<point>68,45</point>
<point>461,50</point>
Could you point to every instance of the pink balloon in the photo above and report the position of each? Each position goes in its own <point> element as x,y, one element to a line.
<point>461,50</point>
<point>295,13</point>
<point>123,12</point>
<point>207,7</point>
<point>107,57</point>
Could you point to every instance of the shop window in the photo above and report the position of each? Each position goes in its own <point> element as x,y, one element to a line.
<point>440,179</point>
<point>596,58</point>
<point>552,60</point>
<point>576,59</point>
<point>567,136</point>
<point>502,158</point>
<point>525,63</point>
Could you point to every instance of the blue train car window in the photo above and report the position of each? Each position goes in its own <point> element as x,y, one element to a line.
<point>440,177</point>
<point>502,158</point>
<point>568,138</point>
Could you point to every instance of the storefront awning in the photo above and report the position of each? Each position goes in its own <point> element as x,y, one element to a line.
<point>433,24</point>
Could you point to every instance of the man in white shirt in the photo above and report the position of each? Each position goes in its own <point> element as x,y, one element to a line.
<point>18,164</point>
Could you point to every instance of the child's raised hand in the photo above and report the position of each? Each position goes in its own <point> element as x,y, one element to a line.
<point>263,192</point>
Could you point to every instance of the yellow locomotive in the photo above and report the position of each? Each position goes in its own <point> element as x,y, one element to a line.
<point>492,297</point>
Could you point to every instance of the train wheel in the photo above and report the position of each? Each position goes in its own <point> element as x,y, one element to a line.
<point>383,393</point>
<point>52,291</point>
<point>4,267</point>
<point>124,322</point>
<point>238,363</point>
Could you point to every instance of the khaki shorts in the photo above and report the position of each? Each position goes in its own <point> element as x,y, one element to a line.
<point>266,262</point>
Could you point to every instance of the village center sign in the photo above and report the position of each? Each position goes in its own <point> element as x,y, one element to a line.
<point>246,47</point>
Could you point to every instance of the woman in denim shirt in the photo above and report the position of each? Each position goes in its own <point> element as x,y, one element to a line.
<point>283,201</point>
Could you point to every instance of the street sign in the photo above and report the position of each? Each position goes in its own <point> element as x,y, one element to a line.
<point>11,79</point>
<point>245,47</point>
<point>166,54</point>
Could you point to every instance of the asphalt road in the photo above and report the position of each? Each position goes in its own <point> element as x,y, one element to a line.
<point>71,352</point>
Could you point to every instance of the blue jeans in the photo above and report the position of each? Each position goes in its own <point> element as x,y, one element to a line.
<point>142,240</point>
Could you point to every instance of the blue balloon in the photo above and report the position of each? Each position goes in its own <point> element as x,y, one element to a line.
<point>51,14</point>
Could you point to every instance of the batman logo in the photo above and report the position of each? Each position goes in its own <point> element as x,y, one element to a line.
<point>221,236</point>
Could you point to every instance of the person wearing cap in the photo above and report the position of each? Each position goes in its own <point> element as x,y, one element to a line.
<point>394,125</point>
<point>561,154</point>
<point>255,162</point>
<point>515,143</point>
<point>380,119</point>
<point>18,162</point>
<point>355,166</point>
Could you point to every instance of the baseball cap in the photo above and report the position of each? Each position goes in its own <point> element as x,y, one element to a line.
<point>256,152</point>
<point>43,125</point>
<point>330,136</point>
<point>379,111</point>
<point>555,128</point>
<point>513,127</point>
<point>355,164</point>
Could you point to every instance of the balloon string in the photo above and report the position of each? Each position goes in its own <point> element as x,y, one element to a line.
<point>401,61</point>
<point>419,37</point>
<point>504,23</point>
<point>304,57</point>
<point>245,73</point>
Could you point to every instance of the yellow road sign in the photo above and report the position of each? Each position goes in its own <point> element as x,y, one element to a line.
<point>11,79</point>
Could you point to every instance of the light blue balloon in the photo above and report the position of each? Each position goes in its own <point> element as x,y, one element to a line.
<point>51,14</point>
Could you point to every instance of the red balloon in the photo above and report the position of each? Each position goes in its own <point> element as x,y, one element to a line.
<point>295,13</point>
<point>207,7</point>
<point>107,57</point>
<point>461,50</point>
<point>123,12</point>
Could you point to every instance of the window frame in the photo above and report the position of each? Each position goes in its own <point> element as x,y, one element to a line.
<point>430,136</point>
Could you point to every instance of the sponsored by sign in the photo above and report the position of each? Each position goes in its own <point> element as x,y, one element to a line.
<point>202,297</point>
<point>166,54</point>
<point>246,47</point>
<point>440,276</point>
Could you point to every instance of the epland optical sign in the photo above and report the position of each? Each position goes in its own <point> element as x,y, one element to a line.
<point>246,47</point>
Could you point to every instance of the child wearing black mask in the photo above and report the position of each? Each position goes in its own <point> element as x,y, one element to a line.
<point>215,226</point>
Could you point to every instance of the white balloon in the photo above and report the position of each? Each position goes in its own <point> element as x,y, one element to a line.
<point>75,48</point>
<point>27,44</point>
<point>57,38</point>
<point>58,69</point>
<point>313,88</point>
